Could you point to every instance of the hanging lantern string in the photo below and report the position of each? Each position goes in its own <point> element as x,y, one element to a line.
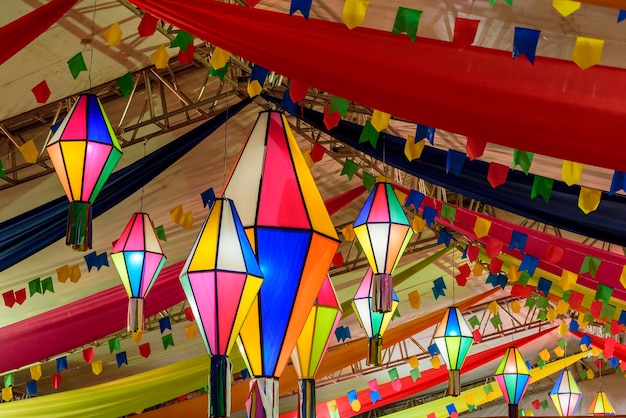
<point>93,33</point>
<point>145,143</point>
<point>226,132</point>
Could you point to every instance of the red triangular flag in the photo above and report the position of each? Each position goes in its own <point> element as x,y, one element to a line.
<point>88,355</point>
<point>464,32</point>
<point>609,347</point>
<point>41,92</point>
<point>252,3</point>
<point>554,253</point>
<point>495,265</point>
<point>595,309</point>
<point>616,327</point>
<point>20,296</point>
<point>472,252</point>
<point>144,350</point>
<point>575,299</point>
<point>147,26</point>
<point>189,314</point>
<point>474,148</point>
<point>297,90</point>
<point>477,336</point>
<point>185,57</point>
<point>56,380</point>
<point>331,120</point>
<point>494,247</point>
<point>465,270</point>
<point>497,174</point>
<point>338,260</point>
<point>9,298</point>
<point>536,404</point>
<point>461,280</point>
<point>317,152</point>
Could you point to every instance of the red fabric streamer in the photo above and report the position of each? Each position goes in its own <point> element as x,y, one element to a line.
<point>21,32</point>
<point>335,204</point>
<point>454,91</point>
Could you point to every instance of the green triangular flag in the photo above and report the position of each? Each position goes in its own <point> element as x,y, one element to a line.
<point>530,302</point>
<point>542,315</point>
<point>359,248</point>
<point>77,64</point>
<point>523,159</point>
<point>337,104</point>
<point>220,73</point>
<point>167,341</point>
<point>34,286</point>
<point>407,21</point>
<point>590,265</point>
<point>160,231</point>
<point>544,404</point>
<point>369,180</point>
<point>541,363</point>
<point>114,344</point>
<point>588,317</point>
<point>448,212</point>
<point>488,389</point>
<point>583,374</point>
<point>474,321</point>
<point>3,174</point>
<point>47,285</point>
<point>8,380</point>
<point>396,314</point>
<point>182,40</point>
<point>369,134</point>
<point>471,407</point>
<point>523,279</point>
<point>562,342</point>
<point>542,186</point>
<point>125,83</point>
<point>603,293</point>
<point>542,302</point>
<point>607,328</point>
<point>495,321</point>
<point>415,374</point>
<point>566,295</point>
<point>349,168</point>
<point>607,312</point>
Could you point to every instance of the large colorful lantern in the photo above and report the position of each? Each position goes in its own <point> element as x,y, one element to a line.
<point>513,378</point>
<point>383,231</point>
<point>83,151</point>
<point>600,406</point>
<point>294,240</point>
<point>454,340</point>
<point>221,278</point>
<point>373,323</point>
<point>312,345</point>
<point>566,394</point>
<point>138,257</point>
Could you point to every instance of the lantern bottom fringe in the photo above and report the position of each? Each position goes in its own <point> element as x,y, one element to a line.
<point>374,351</point>
<point>219,386</point>
<point>454,382</point>
<point>78,230</point>
<point>306,398</point>
<point>382,293</point>
<point>136,318</point>
<point>513,411</point>
<point>262,399</point>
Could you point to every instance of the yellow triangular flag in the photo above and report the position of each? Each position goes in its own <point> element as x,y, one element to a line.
<point>469,399</point>
<point>191,331</point>
<point>415,299</point>
<point>530,413</point>
<point>493,307</point>
<point>137,336</point>
<point>332,405</point>
<point>307,158</point>
<point>35,372</point>
<point>354,12</point>
<point>160,57</point>
<point>348,232</point>
<point>113,34</point>
<point>436,362</point>
<point>254,88</point>
<point>622,277</point>
<point>96,367</point>
<point>401,196</point>
<point>589,199</point>
<point>187,220</point>
<point>544,354</point>
<point>590,374</point>
<point>596,351</point>
<point>563,328</point>
<point>7,394</point>
<point>551,315</point>
<point>562,307</point>
<point>219,58</point>
<point>513,275</point>
<point>477,270</point>
<point>419,224</point>
<point>414,362</point>
<point>29,152</point>
<point>356,405</point>
<point>380,120</point>
<point>571,172</point>
<point>568,280</point>
<point>481,227</point>
<point>516,307</point>
<point>63,273</point>
<point>413,150</point>
<point>176,214</point>
<point>559,352</point>
<point>565,7</point>
<point>75,273</point>
<point>587,51</point>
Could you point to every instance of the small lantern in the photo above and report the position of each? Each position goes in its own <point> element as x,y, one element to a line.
<point>138,257</point>
<point>566,394</point>
<point>84,152</point>
<point>513,378</point>
<point>600,406</point>
<point>373,323</point>
<point>454,340</point>
<point>383,231</point>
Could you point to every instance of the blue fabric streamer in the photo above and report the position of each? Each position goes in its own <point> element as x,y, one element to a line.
<point>433,350</point>
<point>440,283</point>
<point>165,323</point>
<point>288,104</point>
<point>352,396</point>
<point>573,325</point>
<point>444,238</point>
<point>586,340</point>
<point>525,42</point>
<point>31,388</point>
<point>61,364</point>
<point>618,183</point>
<point>375,396</point>
<point>622,318</point>
<point>121,359</point>
<point>259,74</point>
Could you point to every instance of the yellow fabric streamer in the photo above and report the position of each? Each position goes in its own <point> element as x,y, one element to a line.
<point>414,362</point>
<point>563,328</point>
<point>415,299</point>
<point>559,352</point>
<point>380,120</point>
<point>413,150</point>
<point>219,58</point>
<point>113,34</point>
<point>565,7</point>
<point>354,12</point>
<point>176,214</point>
<point>551,315</point>
<point>562,307</point>
<point>589,199</point>
<point>477,270</point>
<point>75,273</point>
<point>187,220</point>
<point>587,52</point>
<point>481,227</point>
<point>571,172</point>
<point>516,307</point>
<point>160,57</point>
<point>435,362</point>
<point>544,354</point>
<point>29,152</point>
<point>137,336</point>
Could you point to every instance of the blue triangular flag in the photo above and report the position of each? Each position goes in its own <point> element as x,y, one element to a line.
<point>61,364</point>
<point>618,183</point>
<point>544,285</point>
<point>438,292</point>
<point>518,240</point>
<point>415,198</point>
<point>54,127</point>
<point>613,362</point>
<point>429,215</point>
<point>464,255</point>
<point>455,162</point>
<point>525,42</point>
<point>96,260</point>
<point>433,350</point>
<point>621,16</point>
<point>444,238</point>
<point>492,279</point>
<point>586,340</point>
<point>440,283</point>
<point>352,396</point>
<point>245,374</point>
<point>622,318</point>
<point>31,388</point>
<point>208,197</point>
<point>164,323</point>
<point>303,5</point>
<point>529,264</point>
<point>121,359</point>
<point>375,396</point>
<point>502,281</point>
<point>573,325</point>
<point>259,74</point>
<point>451,408</point>
<point>288,104</point>
<point>425,132</point>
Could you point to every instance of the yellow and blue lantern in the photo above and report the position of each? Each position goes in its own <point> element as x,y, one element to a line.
<point>566,394</point>
<point>454,339</point>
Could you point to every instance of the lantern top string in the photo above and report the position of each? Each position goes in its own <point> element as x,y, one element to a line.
<point>93,32</point>
<point>226,132</point>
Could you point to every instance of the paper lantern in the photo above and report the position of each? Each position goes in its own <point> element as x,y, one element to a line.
<point>454,340</point>
<point>383,231</point>
<point>83,151</point>
<point>138,257</point>
<point>566,394</point>
<point>221,278</point>
<point>513,378</point>
<point>294,241</point>
<point>313,343</point>
<point>600,406</point>
<point>373,323</point>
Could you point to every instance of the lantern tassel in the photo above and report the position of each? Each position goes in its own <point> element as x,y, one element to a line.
<point>374,352</point>
<point>262,399</point>
<point>513,411</point>
<point>136,318</point>
<point>306,398</point>
<point>454,382</point>
<point>219,386</point>
<point>78,232</point>
<point>382,293</point>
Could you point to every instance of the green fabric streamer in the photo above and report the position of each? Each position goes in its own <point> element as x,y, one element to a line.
<point>359,248</point>
<point>114,344</point>
<point>562,342</point>
<point>167,341</point>
<point>47,285</point>
<point>542,315</point>
<point>182,40</point>
<point>607,330</point>
<point>160,231</point>
<point>590,265</point>
<point>77,64</point>
<point>583,374</point>
<point>523,159</point>
<point>407,20</point>
<point>488,389</point>
<point>471,407</point>
<point>588,317</point>
<point>524,278</point>
<point>566,295</point>
<point>369,180</point>
<point>603,293</point>
<point>530,302</point>
<point>337,104</point>
<point>448,212</point>
<point>544,404</point>
<point>34,286</point>
<point>396,314</point>
<point>542,186</point>
<point>369,134</point>
<point>125,83</point>
<point>349,168</point>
